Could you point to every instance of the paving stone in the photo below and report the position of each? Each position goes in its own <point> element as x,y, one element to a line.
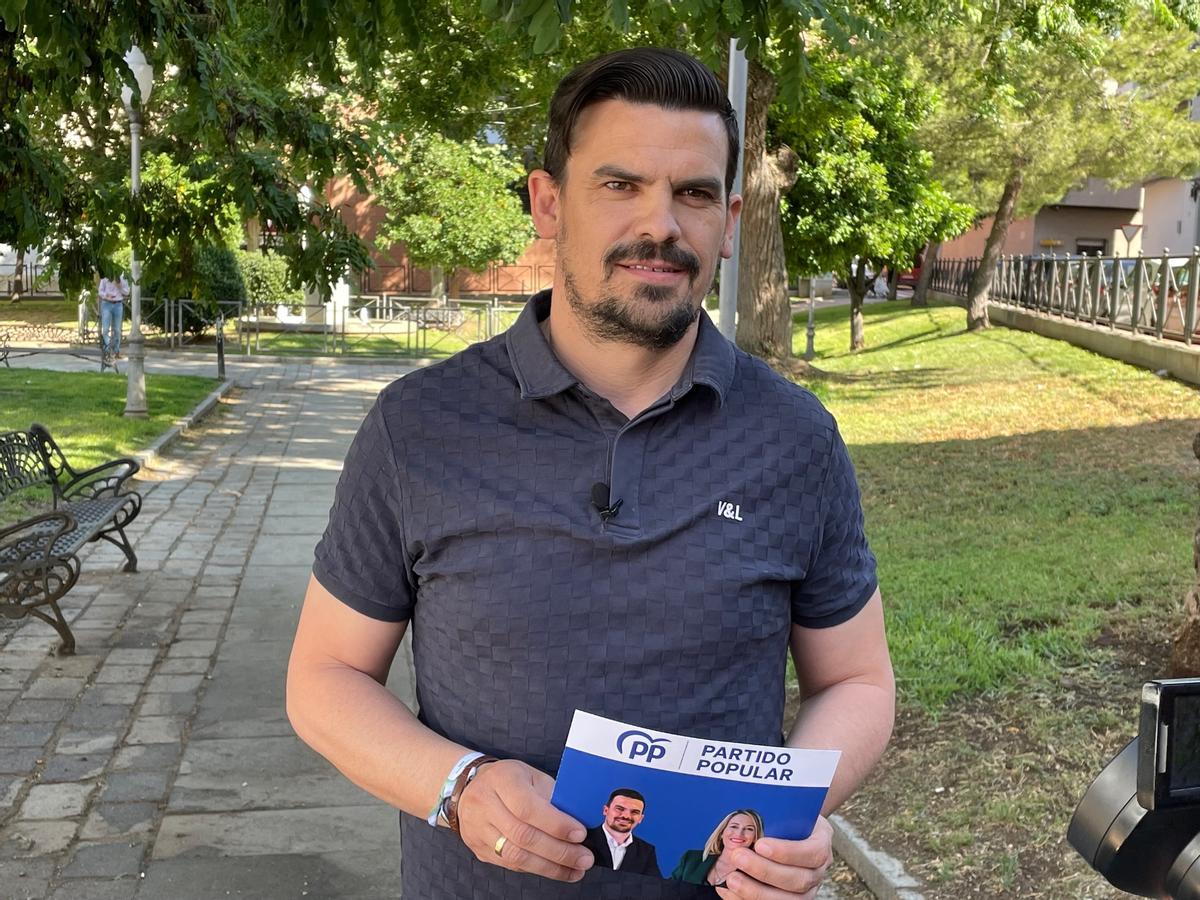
<point>191,617</point>
<point>54,688</point>
<point>77,666</point>
<point>168,704</point>
<point>71,767</point>
<point>111,674</point>
<point>266,832</point>
<point>108,820</point>
<point>155,730</point>
<point>147,756</point>
<point>14,680</point>
<point>10,788</point>
<point>198,632</point>
<point>56,801</point>
<point>192,648</point>
<point>139,637</point>
<point>115,860</point>
<point>173,684</point>
<point>122,787</point>
<point>24,839</point>
<point>20,760</point>
<point>100,717</point>
<point>26,734</point>
<point>96,888</point>
<point>131,656</point>
<point>185,665</point>
<point>25,878</point>
<point>37,710</point>
<point>85,743</point>
<point>113,695</point>
<point>14,661</point>
<point>357,876</point>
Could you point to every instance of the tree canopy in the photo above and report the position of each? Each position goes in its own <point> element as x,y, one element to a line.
<point>452,205</point>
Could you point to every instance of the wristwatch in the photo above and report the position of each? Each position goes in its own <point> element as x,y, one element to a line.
<point>448,811</point>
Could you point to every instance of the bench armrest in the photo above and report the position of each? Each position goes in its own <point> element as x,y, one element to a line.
<point>95,483</point>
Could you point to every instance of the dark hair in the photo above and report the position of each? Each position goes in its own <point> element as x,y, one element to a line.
<point>625,792</point>
<point>650,75</point>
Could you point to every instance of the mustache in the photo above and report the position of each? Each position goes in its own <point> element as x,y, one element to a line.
<point>672,254</point>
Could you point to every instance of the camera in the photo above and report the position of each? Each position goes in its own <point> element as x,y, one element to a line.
<point>1138,824</point>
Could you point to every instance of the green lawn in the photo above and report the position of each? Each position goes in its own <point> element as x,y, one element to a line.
<point>1021,494</point>
<point>82,410</point>
<point>1032,506</point>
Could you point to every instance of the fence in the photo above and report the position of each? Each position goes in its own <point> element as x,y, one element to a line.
<point>36,278</point>
<point>1155,296</point>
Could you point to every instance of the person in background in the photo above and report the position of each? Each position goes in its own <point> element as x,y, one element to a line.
<point>113,292</point>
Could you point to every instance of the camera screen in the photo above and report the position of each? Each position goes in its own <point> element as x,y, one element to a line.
<point>1184,762</point>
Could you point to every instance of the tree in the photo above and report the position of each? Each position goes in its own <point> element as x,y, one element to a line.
<point>451,203</point>
<point>232,81</point>
<point>1021,121</point>
<point>863,189</point>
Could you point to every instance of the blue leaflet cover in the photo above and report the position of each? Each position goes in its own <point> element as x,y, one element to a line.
<point>689,785</point>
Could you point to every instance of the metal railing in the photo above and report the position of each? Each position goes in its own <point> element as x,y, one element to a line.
<point>418,326</point>
<point>1151,295</point>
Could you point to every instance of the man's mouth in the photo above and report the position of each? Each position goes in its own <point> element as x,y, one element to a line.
<point>650,268</point>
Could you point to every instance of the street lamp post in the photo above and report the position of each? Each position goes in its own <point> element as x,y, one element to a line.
<point>135,389</point>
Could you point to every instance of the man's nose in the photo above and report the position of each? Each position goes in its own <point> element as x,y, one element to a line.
<point>656,220</point>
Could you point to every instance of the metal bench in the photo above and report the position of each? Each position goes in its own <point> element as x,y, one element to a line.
<point>4,349</point>
<point>38,561</point>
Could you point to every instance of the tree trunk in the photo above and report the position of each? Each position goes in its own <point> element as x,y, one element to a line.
<point>893,281</point>
<point>920,295</point>
<point>764,311</point>
<point>858,289</point>
<point>1185,654</point>
<point>18,287</point>
<point>437,284</point>
<point>981,281</point>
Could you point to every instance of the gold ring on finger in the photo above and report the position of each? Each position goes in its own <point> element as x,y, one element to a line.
<point>500,842</point>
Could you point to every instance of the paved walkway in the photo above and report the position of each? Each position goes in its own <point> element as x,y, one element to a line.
<point>158,761</point>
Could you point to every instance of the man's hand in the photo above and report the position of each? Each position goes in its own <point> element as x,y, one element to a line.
<point>512,800</point>
<point>776,869</point>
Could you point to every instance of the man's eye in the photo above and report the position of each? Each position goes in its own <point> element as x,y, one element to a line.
<point>617,185</point>
<point>698,193</point>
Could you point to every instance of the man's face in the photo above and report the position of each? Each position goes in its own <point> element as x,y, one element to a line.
<point>640,219</point>
<point>623,814</point>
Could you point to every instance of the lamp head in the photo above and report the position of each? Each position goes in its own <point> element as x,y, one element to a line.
<point>142,71</point>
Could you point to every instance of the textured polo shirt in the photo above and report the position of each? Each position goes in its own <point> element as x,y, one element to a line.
<point>465,507</point>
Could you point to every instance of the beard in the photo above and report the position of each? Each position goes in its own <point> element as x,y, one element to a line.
<point>654,317</point>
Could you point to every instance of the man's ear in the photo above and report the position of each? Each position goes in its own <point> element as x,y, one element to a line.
<point>734,212</point>
<point>543,203</point>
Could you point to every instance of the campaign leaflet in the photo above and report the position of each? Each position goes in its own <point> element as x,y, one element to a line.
<point>689,789</point>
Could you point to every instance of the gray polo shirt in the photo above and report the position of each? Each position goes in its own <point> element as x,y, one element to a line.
<point>465,507</point>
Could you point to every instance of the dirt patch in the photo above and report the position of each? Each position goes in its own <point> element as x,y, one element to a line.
<point>976,802</point>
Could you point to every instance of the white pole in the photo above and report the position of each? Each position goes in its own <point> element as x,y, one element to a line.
<point>135,387</point>
<point>729,267</point>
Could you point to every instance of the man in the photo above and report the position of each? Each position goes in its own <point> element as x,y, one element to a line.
<point>612,842</point>
<point>608,508</point>
<point>112,293</point>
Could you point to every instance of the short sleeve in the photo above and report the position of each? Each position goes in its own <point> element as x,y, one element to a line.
<point>361,559</point>
<point>841,575</point>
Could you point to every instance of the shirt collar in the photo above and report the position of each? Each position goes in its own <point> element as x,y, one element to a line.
<point>541,375</point>
<point>613,841</point>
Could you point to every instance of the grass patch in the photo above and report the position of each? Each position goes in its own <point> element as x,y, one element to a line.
<point>1019,492</point>
<point>40,311</point>
<point>83,411</point>
<point>1032,507</point>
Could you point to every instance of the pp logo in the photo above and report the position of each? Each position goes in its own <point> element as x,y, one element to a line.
<point>636,744</point>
